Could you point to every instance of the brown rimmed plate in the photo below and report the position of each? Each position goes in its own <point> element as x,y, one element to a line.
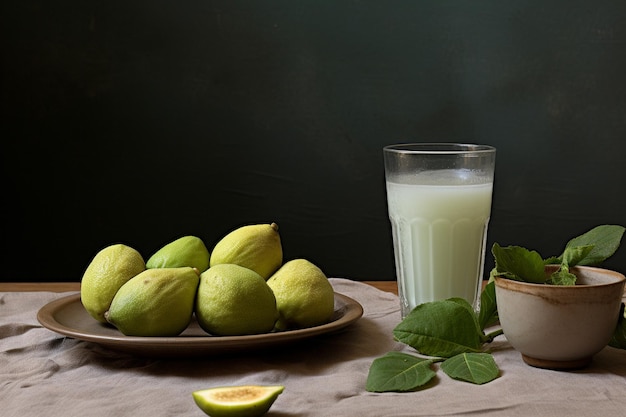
<point>68,317</point>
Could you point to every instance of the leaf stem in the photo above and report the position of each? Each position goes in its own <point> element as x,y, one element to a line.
<point>488,338</point>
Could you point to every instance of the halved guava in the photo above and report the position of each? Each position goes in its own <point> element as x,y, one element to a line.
<point>237,401</point>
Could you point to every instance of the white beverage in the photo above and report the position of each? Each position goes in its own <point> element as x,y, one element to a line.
<point>439,228</point>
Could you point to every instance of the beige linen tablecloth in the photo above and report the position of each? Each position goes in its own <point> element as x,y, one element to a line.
<point>45,374</point>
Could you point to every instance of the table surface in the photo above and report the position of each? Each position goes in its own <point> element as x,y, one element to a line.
<point>45,373</point>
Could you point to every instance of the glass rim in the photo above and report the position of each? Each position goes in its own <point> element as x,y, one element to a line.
<point>439,148</point>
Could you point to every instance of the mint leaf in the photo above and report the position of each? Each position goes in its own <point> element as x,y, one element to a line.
<point>605,240</point>
<point>562,277</point>
<point>397,371</point>
<point>573,255</point>
<point>477,368</point>
<point>440,328</point>
<point>488,314</point>
<point>516,262</point>
<point>553,260</point>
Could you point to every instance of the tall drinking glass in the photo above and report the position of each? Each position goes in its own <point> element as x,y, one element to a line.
<point>439,200</point>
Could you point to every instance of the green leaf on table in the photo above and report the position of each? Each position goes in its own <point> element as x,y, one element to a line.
<point>440,328</point>
<point>488,314</point>
<point>605,240</point>
<point>470,310</point>
<point>619,336</point>
<point>516,262</point>
<point>398,372</point>
<point>477,368</point>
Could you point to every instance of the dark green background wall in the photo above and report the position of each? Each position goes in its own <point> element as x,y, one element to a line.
<point>139,122</point>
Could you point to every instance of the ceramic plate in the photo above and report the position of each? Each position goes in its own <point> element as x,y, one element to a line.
<point>68,317</point>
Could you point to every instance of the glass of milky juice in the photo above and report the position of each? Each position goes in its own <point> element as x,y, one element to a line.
<point>439,200</point>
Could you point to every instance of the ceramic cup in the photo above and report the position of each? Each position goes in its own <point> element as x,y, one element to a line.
<point>561,327</point>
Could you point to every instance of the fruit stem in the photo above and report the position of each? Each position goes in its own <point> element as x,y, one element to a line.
<point>274,226</point>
